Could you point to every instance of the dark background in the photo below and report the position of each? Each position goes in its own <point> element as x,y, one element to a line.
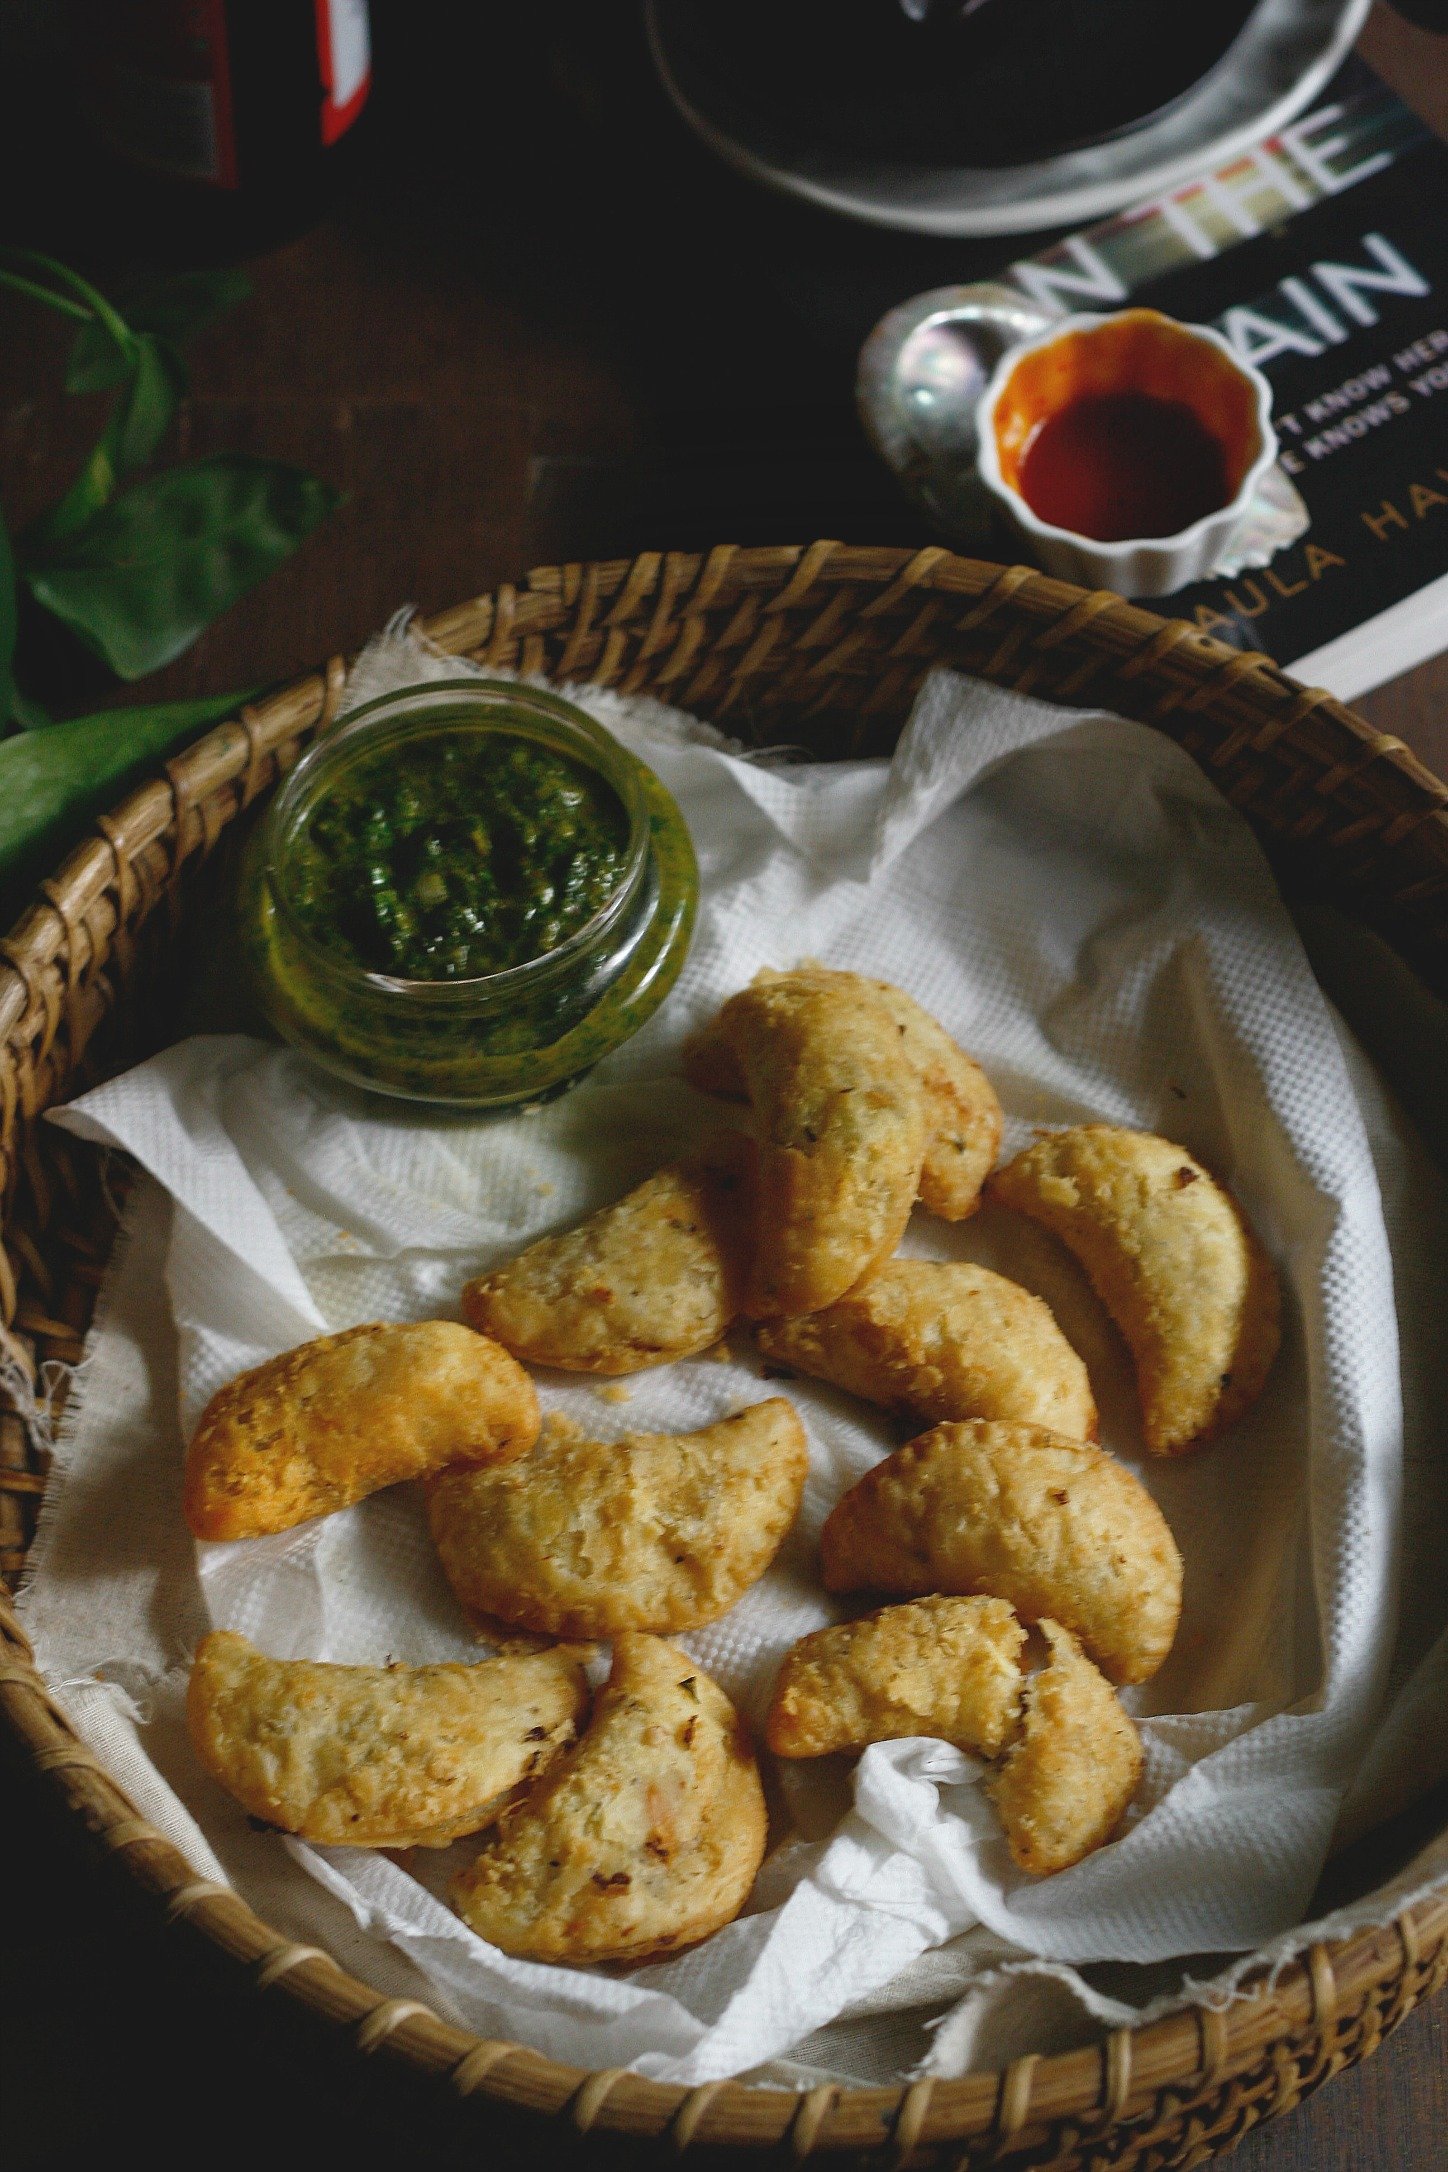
<point>537,323</point>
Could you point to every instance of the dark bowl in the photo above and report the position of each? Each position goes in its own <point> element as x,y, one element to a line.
<point>975,83</point>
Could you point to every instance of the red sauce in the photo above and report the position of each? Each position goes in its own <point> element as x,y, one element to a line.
<point>1114,465</point>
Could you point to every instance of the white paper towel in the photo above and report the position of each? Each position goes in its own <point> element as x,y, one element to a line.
<point>1082,910</point>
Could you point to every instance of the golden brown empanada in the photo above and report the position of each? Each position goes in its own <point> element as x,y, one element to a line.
<point>657,1275</point>
<point>1173,1261</point>
<point>326,1424</point>
<point>842,1132</point>
<point>942,1339</point>
<point>1058,1527</point>
<point>644,1838</point>
<point>657,1531</point>
<point>378,1757</point>
<point>1064,1783</point>
<point>1067,1757</point>
<point>937,1666</point>
<point>962,1114</point>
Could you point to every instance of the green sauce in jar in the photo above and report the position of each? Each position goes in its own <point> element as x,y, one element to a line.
<point>458,856</point>
<point>466,893</point>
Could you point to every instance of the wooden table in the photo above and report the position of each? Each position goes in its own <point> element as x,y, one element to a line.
<point>517,339</point>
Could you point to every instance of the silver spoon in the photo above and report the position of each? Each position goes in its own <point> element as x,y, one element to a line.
<point>921,374</point>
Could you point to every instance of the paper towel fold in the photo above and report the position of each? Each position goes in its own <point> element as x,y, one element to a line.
<point>1077,904</point>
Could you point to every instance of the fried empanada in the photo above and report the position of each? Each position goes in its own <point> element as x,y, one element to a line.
<point>325,1425</point>
<point>645,1838</point>
<point>1058,1527</point>
<point>657,1275</point>
<point>962,1113</point>
<point>842,1132</point>
<point>937,1666</point>
<point>657,1531</point>
<point>1066,1780</point>
<point>1069,1758</point>
<point>378,1757</point>
<point>1172,1259</point>
<point>943,1339</point>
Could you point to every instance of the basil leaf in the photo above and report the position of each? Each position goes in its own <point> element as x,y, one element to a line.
<point>150,571</point>
<point>31,715</point>
<point>130,439</point>
<point>92,489</point>
<point>145,412</point>
<point>53,782</point>
<point>172,312</point>
<point>7,628</point>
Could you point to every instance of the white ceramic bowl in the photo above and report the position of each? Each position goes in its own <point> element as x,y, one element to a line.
<point>1168,358</point>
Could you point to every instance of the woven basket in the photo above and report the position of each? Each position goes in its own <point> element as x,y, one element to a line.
<point>820,648</point>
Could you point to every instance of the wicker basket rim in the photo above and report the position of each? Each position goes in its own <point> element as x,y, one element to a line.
<point>658,602</point>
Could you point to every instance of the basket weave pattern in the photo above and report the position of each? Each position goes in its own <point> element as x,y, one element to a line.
<point>821,648</point>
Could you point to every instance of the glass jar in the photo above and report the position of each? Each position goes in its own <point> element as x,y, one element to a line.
<point>519,1034</point>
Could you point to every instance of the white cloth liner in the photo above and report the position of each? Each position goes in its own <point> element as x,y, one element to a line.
<point>1075,901</point>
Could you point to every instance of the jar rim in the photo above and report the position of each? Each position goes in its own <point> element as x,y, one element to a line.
<point>403,714</point>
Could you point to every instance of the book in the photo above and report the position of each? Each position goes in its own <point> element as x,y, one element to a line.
<point>1322,255</point>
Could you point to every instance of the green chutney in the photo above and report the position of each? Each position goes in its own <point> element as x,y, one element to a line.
<point>456,856</point>
<point>466,893</point>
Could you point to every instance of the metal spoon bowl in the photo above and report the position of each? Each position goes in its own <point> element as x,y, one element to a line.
<point>921,375</point>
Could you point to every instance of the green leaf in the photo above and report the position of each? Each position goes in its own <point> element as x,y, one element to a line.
<point>130,439</point>
<point>145,411</point>
<point>80,300</point>
<point>143,578</point>
<point>92,490</point>
<point>31,715</point>
<point>53,782</point>
<point>7,628</point>
<point>171,312</point>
